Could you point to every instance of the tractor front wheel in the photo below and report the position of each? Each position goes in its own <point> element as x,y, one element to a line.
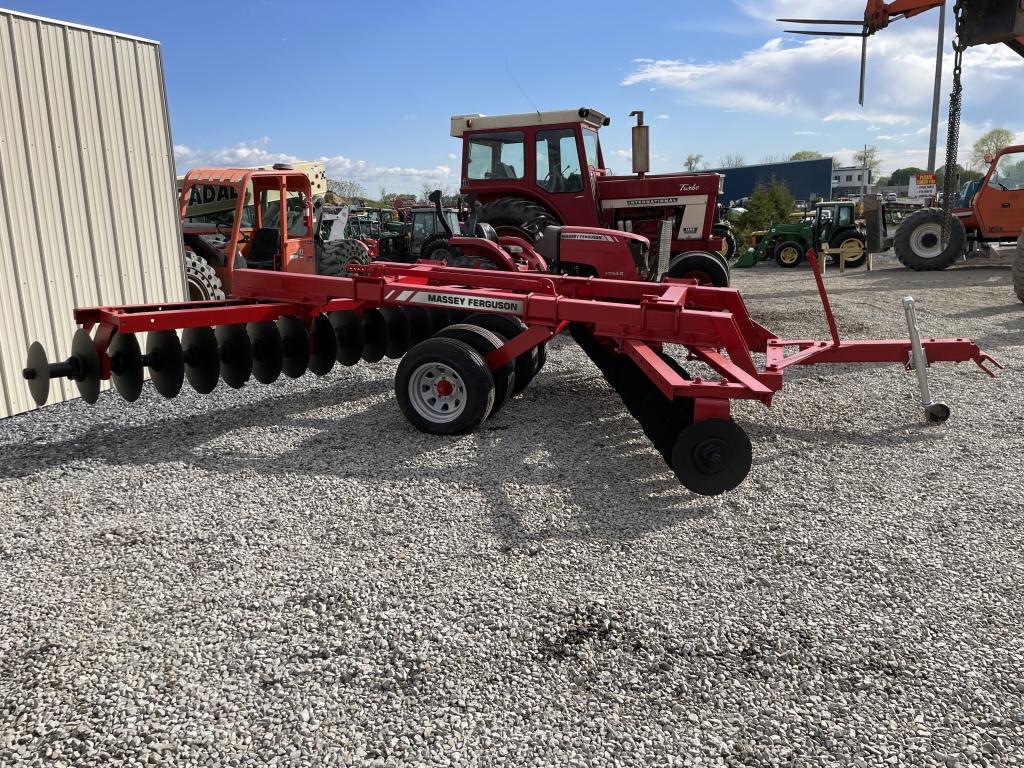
<point>517,217</point>
<point>789,254</point>
<point>918,241</point>
<point>1018,269</point>
<point>705,268</point>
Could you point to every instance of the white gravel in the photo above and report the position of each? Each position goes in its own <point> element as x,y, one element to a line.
<point>291,575</point>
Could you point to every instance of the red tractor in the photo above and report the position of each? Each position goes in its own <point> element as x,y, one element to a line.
<point>543,169</point>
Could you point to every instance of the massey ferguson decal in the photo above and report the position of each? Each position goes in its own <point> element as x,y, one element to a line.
<point>587,236</point>
<point>457,301</point>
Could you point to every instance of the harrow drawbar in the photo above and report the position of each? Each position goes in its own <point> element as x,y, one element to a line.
<point>469,339</point>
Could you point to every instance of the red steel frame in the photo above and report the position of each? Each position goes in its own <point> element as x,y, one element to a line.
<point>634,318</point>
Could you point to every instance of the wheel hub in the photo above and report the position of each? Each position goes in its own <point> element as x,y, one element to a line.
<point>926,240</point>
<point>437,392</point>
<point>711,456</point>
<point>444,388</point>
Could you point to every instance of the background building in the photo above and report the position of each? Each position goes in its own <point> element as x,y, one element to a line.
<point>806,179</point>
<point>847,182</point>
<point>87,171</point>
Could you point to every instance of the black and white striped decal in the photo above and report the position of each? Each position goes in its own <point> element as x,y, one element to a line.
<point>456,301</point>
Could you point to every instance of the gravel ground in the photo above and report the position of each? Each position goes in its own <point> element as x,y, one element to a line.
<point>290,575</point>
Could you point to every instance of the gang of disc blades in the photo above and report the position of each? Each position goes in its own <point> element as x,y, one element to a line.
<point>375,336</point>
<point>420,328</point>
<point>399,337</point>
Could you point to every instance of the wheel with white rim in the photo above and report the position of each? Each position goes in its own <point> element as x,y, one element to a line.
<point>918,241</point>
<point>444,387</point>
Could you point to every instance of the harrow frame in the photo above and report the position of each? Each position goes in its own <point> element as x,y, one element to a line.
<point>628,320</point>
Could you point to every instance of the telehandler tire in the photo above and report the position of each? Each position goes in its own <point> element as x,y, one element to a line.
<point>203,283</point>
<point>918,241</point>
<point>336,256</point>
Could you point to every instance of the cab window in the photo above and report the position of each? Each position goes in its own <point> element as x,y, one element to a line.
<point>496,156</point>
<point>590,147</point>
<point>1009,173</point>
<point>845,215</point>
<point>422,225</point>
<point>558,162</point>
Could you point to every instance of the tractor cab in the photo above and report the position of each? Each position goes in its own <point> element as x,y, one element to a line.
<point>234,217</point>
<point>830,218</point>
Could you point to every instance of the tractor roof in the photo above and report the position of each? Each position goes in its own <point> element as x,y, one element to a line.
<point>476,122</point>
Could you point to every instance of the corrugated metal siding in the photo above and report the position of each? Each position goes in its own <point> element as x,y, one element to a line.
<point>86,186</point>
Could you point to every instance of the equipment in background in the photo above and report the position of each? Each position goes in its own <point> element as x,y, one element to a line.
<point>833,231</point>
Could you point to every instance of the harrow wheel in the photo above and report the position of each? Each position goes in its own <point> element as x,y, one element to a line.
<point>267,351</point>
<point>348,330</point>
<point>399,333</point>
<point>166,362</point>
<point>508,327</point>
<point>444,387</point>
<point>712,456</point>
<point>485,342</point>
<point>294,345</point>
<point>126,365</point>
<point>324,346</point>
<point>202,366</point>
<point>235,352</point>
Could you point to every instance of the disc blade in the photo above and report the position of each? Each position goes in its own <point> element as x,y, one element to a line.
<point>202,366</point>
<point>87,377</point>
<point>166,362</point>
<point>235,353</point>
<point>399,336</point>
<point>438,319</point>
<point>375,336</point>
<point>267,351</point>
<point>323,347</point>
<point>348,330</point>
<point>37,371</point>
<point>126,365</point>
<point>295,345</point>
<point>419,324</point>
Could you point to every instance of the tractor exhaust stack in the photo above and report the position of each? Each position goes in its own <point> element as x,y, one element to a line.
<point>641,145</point>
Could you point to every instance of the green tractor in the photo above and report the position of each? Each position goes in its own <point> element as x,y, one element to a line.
<point>832,231</point>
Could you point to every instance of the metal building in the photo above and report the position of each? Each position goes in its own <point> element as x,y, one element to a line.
<point>88,209</point>
<point>806,179</point>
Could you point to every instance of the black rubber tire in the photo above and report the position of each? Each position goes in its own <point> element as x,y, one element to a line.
<point>785,248</point>
<point>513,215</point>
<point>465,361</point>
<point>485,342</point>
<point>436,248</point>
<point>707,268</point>
<point>931,218</point>
<point>731,248</point>
<point>508,327</point>
<point>337,255</point>
<point>202,282</point>
<point>1018,268</point>
<point>843,237</point>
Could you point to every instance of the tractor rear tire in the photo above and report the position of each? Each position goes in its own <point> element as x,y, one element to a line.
<point>1018,269</point>
<point>444,387</point>
<point>731,248</point>
<point>337,256</point>
<point>705,268</point>
<point>789,254</point>
<point>918,241</point>
<point>436,248</point>
<point>845,242</point>
<point>203,283</point>
<point>514,216</point>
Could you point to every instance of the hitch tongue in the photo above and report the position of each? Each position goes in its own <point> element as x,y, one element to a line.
<point>935,411</point>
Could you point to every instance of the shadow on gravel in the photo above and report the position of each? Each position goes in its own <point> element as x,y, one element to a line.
<point>283,436</point>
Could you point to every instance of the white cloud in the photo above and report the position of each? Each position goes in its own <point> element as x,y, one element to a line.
<point>452,156</point>
<point>807,133</point>
<point>663,117</point>
<point>257,152</point>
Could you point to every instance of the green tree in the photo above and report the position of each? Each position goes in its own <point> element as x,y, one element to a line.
<point>806,154</point>
<point>901,176</point>
<point>346,189</point>
<point>963,174</point>
<point>768,204</point>
<point>990,144</point>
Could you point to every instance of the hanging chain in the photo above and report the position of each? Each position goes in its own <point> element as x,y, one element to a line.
<point>949,185</point>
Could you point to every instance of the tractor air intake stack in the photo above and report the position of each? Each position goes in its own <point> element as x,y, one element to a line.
<point>641,145</point>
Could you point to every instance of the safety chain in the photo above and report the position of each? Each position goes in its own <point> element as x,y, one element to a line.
<point>949,185</point>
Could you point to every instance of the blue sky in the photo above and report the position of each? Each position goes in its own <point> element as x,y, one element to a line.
<point>369,87</point>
